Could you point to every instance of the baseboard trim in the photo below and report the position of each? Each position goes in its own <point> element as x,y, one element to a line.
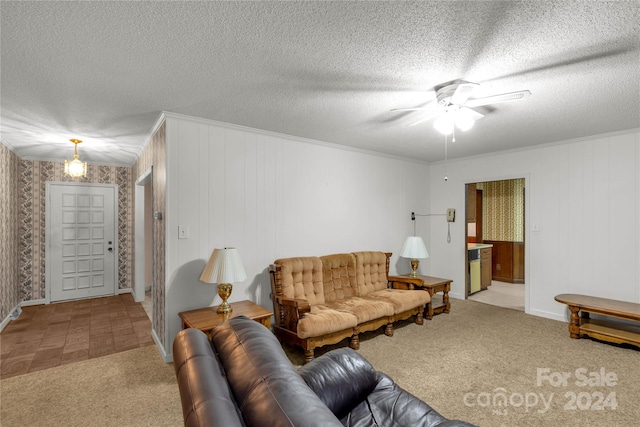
<point>456,295</point>
<point>124,291</point>
<point>549,315</point>
<point>168,358</point>
<point>5,322</point>
<point>33,302</point>
<point>7,319</point>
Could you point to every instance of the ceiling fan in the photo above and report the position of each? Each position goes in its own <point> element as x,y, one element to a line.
<point>456,105</point>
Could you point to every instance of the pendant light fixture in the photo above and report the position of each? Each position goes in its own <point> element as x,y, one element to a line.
<point>75,168</point>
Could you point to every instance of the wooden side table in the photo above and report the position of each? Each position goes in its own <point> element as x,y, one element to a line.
<point>430,284</point>
<point>207,318</point>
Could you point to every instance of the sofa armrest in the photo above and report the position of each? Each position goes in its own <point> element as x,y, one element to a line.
<point>391,405</point>
<point>204,390</point>
<point>398,282</point>
<point>341,378</point>
<point>291,311</point>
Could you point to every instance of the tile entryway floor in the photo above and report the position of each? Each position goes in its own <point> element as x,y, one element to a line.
<point>45,336</point>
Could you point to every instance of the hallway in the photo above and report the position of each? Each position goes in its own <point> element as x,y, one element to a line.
<point>45,336</point>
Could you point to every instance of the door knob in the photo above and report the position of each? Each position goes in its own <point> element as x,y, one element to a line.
<point>110,249</point>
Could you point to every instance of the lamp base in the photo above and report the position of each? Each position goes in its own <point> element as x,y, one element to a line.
<point>415,263</point>
<point>224,291</point>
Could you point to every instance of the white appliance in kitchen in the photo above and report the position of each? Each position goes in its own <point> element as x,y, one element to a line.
<point>474,271</point>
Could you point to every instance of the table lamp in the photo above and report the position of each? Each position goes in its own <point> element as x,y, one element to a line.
<point>224,267</point>
<point>415,249</point>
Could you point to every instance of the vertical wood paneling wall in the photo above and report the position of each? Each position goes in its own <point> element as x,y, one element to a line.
<point>582,228</point>
<point>273,196</point>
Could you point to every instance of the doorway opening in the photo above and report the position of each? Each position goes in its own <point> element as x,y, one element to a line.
<point>495,242</point>
<point>142,291</point>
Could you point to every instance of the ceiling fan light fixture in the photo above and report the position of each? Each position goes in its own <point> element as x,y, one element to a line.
<point>463,120</point>
<point>444,124</point>
<point>75,168</point>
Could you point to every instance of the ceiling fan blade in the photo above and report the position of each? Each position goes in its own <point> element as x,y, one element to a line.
<point>425,106</point>
<point>462,93</point>
<point>473,114</point>
<point>495,99</point>
<point>410,109</point>
<point>424,119</point>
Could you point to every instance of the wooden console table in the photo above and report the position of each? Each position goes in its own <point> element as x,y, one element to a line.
<point>432,285</point>
<point>581,323</point>
<point>207,318</point>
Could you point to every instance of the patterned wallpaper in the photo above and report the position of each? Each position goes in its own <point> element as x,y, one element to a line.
<point>154,155</point>
<point>9,295</point>
<point>22,230</point>
<point>32,178</point>
<point>503,210</point>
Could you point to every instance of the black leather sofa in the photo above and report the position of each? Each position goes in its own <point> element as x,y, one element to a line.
<point>242,377</point>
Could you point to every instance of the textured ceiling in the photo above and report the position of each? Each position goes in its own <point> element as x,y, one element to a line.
<point>104,71</point>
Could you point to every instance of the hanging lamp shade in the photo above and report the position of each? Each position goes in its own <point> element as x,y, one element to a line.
<point>75,168</point>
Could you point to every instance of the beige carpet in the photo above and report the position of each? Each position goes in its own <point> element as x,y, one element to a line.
<point>457,362</point>
<point>479,351</point>
<point>132,388</point>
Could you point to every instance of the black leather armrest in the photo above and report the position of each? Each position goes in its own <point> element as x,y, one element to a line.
<point>358,395</point>
<point>204,390</point>
<point>389,405</point>
<point>341,378</point>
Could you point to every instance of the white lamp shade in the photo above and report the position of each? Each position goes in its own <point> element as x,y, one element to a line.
<point>414,248</point>
<point>444,123</point>
<point>224,266</point>
<point>464,121</point>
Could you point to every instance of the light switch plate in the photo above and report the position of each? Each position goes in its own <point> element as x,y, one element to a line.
<point>183,232</point>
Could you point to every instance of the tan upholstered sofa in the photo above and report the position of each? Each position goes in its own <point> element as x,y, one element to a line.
<point>323,300</point>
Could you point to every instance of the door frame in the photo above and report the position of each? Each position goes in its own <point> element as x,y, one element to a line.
<point>139,234</point>
<point>47,252</point>
<point>527,231</point>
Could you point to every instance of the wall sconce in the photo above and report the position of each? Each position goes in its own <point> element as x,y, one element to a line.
<point>75,168</point>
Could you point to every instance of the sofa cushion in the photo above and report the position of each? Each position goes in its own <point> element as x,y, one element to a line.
<point>342,379</point>
<point>365,309</point>
<point>339,277</point>
<point>302,279</point>
<point>323,320</point>
<point>266,386</point>
<point>371,272</point>
<point>402,300</point>
<point>340,290</point>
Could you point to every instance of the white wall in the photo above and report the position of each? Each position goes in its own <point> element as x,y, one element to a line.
<point>274,196</point>
<point>582,197</point>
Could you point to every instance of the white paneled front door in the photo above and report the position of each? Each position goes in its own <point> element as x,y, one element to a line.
<point>82,250</point>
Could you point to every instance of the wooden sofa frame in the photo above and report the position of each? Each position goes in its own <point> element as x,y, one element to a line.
<point>289,311</point>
